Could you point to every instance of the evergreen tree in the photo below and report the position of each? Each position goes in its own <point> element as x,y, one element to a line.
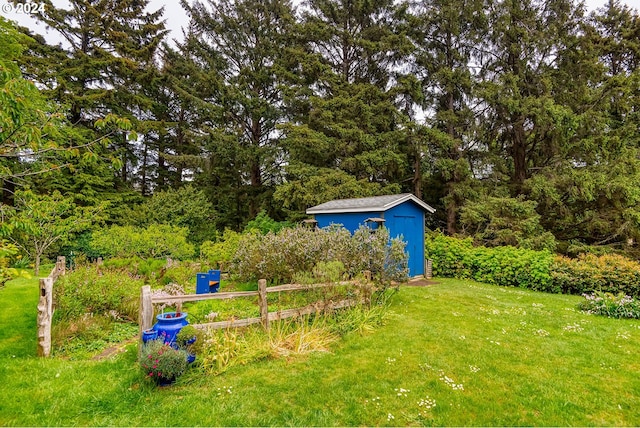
<point>239,54</point>
<point>588,191</point>
<point>525,41</point>
<point>446,35</point>
<point>106,60</point>
<point>348,120</point>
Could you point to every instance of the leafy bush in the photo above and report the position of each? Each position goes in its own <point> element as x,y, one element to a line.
<point>220,252</point>
<point>88,291</point>
<point>265,224</point>
<point>506,266</point>
<point>589,273</point>
<point>183,274</point>
<point>135,266</point>
<point>9,255</point>
<point>186,207</point>
<point>536,270</point>
<point>610,305</point>
<point>159,240</point>
<point>160,362</point>
<point>448,255</point>
<point>280,256</point>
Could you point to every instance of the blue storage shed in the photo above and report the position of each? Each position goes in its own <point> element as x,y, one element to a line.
<point>401,214</point>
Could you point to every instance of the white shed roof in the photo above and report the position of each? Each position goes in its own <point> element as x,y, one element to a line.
<point>372,203</point>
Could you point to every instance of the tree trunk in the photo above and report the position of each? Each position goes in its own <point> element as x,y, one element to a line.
<point>519,155</point>
<point>36,265</point>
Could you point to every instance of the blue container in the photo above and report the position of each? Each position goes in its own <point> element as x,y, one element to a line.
<point>169,325</point>
<point>148,335</point>
<point>208,282</point>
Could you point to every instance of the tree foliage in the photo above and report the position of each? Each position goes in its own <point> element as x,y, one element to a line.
<point>38,222</point>
<point>518,119</point>
<point>154,241</point>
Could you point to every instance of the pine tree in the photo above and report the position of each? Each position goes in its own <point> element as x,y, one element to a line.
<point>239,52</point>
<point>588,191</point>
<point>446,35</point>
<point>525,40</point>
<point>348,120</point>
<point>101,69</point>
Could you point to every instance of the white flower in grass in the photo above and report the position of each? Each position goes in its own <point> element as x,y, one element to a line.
<point>225,389</point>
<point>474,369</point>
<point>537,305</point>
<point>541,332</point>
<point>390,417</point>
<point>375,400</point>
<point>390,360</point>
<point>450,382</point>
<point>401,392</point>
<point>463,337</point>
<point>623,335</point>
<point>573,327</point>
<point>427,403</point>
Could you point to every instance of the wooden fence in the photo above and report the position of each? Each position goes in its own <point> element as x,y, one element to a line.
<point>147,301</point>
<point>45,307</point>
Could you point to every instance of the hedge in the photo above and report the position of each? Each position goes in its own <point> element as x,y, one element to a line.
<point>590,273</point>
<point>535,270</point>
<point>506,266</point>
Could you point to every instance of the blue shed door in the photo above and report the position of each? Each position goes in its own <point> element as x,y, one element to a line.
<point>410,229</point>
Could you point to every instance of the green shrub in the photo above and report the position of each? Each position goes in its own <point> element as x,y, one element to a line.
<point>88,291</point>
<point>156,241</point>
<point>280,256</point>
<point>149,269</point>
<point>536,270</point>
<point>610,305</point>
<point>265,224</point>
<point>506,266</point>
<point>589,273</point>
<point>220,252</point>
<point>448,255</point>
<point>183,274</point>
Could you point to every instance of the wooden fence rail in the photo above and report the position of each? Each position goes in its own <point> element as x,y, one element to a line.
<point>147,301</point>
<point>45,307</point>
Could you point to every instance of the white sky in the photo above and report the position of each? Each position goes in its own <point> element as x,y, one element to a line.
<point>175,16</point>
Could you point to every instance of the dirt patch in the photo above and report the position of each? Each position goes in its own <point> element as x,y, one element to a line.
<point>114,350</point>
<point>420,282</point>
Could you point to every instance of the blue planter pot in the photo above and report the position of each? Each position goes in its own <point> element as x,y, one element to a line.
<point>148,335</point>
<point>169,324</point>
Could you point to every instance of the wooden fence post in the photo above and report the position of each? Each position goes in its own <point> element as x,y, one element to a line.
<point>61,265</point>
<point>146,313</point>
<point>428,268</point>
<point>45,315</point>
<point>262,302</point>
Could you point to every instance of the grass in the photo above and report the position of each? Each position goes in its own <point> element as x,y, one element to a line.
<point>485,355</point>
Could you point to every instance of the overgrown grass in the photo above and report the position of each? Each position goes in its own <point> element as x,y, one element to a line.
<point>485,355</point>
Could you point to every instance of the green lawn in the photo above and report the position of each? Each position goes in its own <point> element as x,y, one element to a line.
<point>484,355</point>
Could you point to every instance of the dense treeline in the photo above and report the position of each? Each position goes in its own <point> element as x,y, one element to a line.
<point>518,119</point>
